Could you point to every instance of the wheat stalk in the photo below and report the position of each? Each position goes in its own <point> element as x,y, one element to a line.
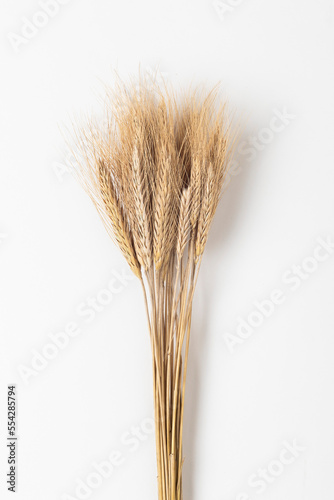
<point>155,173</point>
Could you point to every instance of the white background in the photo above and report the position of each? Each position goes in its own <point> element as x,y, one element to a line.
<point>277,385</point>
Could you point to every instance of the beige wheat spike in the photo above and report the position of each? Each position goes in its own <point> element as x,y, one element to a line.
<point>196,188</point>
<point>184,223</point>
<point>163,213</point>
<point>141,225</point>
<point>206,214</point>
<point>120,229</point>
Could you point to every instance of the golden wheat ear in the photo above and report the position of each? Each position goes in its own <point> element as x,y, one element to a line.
<point>155,172</point>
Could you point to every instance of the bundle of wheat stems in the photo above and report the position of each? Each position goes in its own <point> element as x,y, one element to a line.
<point>155,171</point>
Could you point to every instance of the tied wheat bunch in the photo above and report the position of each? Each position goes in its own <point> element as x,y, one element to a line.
<point>155,172</point>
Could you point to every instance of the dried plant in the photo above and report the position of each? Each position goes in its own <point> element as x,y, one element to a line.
<point>155,173</point>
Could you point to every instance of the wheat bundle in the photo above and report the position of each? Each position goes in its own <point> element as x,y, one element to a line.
<point>155,172</point>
